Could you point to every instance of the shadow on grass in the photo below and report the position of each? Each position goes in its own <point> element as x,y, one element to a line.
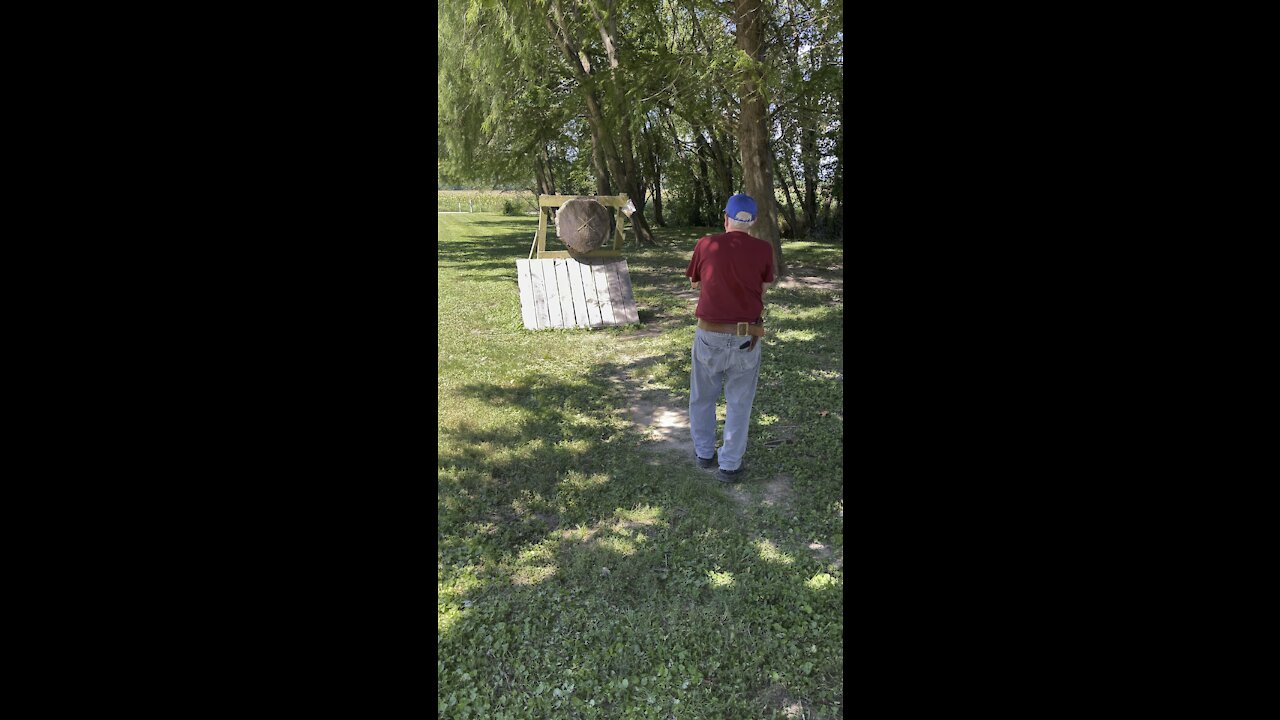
<point>481,256</point>
<point>569,457</point>
<point>534,509</point>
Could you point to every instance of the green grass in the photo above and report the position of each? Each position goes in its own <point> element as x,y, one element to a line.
<point>583,575</point>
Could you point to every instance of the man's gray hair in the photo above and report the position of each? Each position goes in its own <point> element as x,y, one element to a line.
<point>739,225</point>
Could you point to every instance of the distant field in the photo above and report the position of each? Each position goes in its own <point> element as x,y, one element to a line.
<point>511,202</point>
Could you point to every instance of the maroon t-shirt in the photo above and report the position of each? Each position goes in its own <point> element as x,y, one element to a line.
<point>730,268</point>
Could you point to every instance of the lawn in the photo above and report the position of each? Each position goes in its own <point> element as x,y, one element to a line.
<point>586,567</point>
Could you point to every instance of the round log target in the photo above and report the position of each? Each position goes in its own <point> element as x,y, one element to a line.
<point>583,224</point>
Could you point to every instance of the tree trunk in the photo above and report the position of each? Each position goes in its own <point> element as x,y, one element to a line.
<point>539,176</point>
<point>837,183</point>
<point>620,152</point>
<point>829,195</point>
<point>708,197</point>
<point>804,226</point>
<point>723,165</point>
<point>803,218</point>
<point>625,168</point>
<point>753,130</point>
<point>695,209</point>
<point>655,175</point>
<point>551,177</point>
<point>597,161</point>
<point>580,67</point>
<point>790,210</point>
<point>809,168</point>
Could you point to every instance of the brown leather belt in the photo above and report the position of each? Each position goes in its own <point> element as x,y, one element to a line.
<point>737,329</point>
<point>755,330</point>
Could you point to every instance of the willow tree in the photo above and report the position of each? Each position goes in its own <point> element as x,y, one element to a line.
<point>575,26</point>
<point>651,95</point>
<point>476,99</point>
<point>527,41</point>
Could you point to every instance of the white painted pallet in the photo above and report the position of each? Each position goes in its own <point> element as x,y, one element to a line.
<point>569,293</point>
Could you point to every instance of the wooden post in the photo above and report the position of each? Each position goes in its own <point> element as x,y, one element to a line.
<point>542,227</point>
<point>617,235</point>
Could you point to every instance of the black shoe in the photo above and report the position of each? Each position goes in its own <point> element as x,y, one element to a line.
<point>730,476</point>
<point>707,464</point>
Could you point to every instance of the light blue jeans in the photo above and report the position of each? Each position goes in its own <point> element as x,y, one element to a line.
<point>718,363</point>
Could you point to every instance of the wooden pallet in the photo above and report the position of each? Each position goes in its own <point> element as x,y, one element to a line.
<point>575,293</point>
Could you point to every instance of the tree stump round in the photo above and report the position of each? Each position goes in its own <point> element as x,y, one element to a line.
<point>583,224</point>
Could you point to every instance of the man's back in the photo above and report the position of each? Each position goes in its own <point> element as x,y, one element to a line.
<point>731,268</point>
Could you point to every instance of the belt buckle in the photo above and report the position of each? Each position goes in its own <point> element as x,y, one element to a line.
<point>741,329</point>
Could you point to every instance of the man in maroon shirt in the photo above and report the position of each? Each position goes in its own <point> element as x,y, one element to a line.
<point>730,272</point>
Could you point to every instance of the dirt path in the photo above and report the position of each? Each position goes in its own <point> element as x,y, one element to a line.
<point>811,283</point>
<point>664,419</point>
<point>666,424</point>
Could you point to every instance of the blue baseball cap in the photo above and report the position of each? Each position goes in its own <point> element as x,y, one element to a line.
<point>741,208</point>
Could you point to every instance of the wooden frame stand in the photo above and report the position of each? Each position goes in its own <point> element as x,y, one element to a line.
<point>613,201</point>
<point>567,289</point>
